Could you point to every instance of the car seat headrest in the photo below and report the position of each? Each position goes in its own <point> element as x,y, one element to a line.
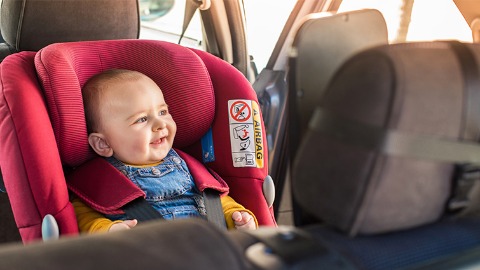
<point>30,25</point>
<point>63,69</point>
<point>332,39</point>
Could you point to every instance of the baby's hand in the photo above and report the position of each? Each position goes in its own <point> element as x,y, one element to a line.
<point>243,221</point>
<point>125,225</point>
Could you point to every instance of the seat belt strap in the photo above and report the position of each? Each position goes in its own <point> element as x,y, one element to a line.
<point>214,208</point>
<point>141,210</point>
<point>191,7</point>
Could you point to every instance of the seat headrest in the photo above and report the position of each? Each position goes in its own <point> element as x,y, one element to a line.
<point>332,40</point>
<point>63,69</point>
<point>30,25</point>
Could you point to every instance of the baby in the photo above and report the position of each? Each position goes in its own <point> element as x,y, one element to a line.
<point>129,124</point>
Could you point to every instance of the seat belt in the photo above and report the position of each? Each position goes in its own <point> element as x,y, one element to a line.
<point>191,7</point>
<point>80,180</point>
<point>141,210</point>
<point>214,208</point>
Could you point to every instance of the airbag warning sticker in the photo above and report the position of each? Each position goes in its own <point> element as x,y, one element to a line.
<point>246,133</point>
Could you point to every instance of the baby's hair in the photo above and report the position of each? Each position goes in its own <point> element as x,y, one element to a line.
<point>93,90</point>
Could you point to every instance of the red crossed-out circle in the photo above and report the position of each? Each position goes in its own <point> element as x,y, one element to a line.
<point>239,115</point>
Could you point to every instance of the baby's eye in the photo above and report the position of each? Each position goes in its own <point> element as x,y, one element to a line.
<point>163,112</point>
<point>141,119</point>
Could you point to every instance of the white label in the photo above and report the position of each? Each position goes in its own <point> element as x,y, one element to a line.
<point>246,133</point>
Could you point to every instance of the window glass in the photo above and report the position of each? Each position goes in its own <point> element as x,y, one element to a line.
<point>265,21</point>
<point>163,20</point>
<point>443,21</point>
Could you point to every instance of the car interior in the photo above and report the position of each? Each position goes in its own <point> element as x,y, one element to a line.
<point>381,141</point>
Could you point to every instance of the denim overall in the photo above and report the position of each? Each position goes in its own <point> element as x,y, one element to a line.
<point>169,187</point>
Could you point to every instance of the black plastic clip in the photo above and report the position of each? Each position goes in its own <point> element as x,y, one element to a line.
<point>467,176</point>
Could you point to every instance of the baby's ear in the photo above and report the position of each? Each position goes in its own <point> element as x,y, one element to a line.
<point>100,145</point>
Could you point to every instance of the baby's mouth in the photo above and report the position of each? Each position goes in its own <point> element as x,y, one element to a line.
<point>159,141</point>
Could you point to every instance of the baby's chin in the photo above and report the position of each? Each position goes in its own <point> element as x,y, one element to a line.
<point>142,162</point>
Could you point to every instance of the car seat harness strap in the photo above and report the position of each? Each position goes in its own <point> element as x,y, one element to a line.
<point>214,208</point>
<point>141,210</point>
<point>93,181</point>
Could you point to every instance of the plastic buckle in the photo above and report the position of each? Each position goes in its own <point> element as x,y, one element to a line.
<point>466,177</point>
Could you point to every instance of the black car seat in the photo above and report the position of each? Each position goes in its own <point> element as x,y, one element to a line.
<point>332,38</point>
<point>29,25</point>
<point>179,244</point>
<point>386,171</point>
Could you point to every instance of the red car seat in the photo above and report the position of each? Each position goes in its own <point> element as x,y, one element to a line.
<point>44,131</point>
<point>30,25</point>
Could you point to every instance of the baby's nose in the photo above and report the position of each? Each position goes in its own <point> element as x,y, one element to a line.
<point>159,124</point>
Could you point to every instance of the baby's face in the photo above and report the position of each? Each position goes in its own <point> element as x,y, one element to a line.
<point>136,122</point>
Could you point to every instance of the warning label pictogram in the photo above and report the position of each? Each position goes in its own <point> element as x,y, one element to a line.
<point>246,133</point>
<point>240,111</point>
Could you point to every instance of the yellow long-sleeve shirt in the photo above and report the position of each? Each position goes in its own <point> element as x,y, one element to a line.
<point>91,221</point>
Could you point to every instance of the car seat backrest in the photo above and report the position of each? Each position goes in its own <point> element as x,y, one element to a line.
<point>30,25</point>
<point>331,39</point>
<point>415,95</point>
<point>198,87</point>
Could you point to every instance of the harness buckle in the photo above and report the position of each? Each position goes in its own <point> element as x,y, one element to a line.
<point>466,178</point>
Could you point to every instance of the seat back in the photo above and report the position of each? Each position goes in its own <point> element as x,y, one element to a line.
<point>30,25</point>
<point>417,89</point>
<point>388,152</point>
<point>202,91</point>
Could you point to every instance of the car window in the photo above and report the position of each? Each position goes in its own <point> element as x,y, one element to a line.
<point>163,20</point>
<point>423,22</point>
<point>265,21</point>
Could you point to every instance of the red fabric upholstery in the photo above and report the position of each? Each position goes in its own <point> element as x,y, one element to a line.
<point>196,85</point>
<point>91,186</point>
<point>64,68</point>
<point>94,180</point>
<point>245,183</point>
<point>31,166</point>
